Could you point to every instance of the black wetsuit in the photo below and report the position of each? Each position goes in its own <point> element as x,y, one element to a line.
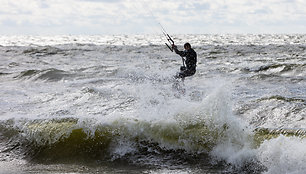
<point>190,62</point>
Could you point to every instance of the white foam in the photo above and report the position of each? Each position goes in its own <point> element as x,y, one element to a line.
<point>236,146</point>
<point>283,155</point>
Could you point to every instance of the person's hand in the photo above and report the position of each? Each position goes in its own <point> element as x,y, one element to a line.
<point>183,68</point>
<point>174,46</point>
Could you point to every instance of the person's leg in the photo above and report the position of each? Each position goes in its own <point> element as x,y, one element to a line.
<point>184,74</point>
<point>180,75</point>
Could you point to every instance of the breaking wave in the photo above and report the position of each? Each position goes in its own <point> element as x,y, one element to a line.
<point>195,132</point>
<point>68,99</point>
<point>208,131</point>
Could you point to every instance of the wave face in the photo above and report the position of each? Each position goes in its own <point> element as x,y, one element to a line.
<point>83,104</point>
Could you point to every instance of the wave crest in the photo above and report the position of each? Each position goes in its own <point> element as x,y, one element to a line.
<point>50,74</point>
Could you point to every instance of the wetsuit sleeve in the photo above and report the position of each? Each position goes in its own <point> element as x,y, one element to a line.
<point>181,53</point>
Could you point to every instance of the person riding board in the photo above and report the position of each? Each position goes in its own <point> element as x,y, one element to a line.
<point>190,61</point>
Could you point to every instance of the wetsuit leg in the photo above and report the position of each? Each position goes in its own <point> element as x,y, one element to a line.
<point>185,73</point>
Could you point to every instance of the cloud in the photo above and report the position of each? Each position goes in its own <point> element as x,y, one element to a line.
<point>143,16</point>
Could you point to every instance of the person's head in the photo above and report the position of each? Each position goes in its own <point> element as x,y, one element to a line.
<point>187,46</point>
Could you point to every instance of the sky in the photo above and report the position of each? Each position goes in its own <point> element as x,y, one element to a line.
<point>103,17</point>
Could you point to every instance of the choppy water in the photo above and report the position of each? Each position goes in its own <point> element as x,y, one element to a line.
<point>88,104</point>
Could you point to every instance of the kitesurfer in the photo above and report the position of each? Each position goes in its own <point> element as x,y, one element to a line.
<point>189,64</point>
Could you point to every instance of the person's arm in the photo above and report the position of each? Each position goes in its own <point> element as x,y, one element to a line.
<point>181,53</point>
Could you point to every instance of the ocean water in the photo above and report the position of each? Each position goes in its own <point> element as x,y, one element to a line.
<point>109,104</point>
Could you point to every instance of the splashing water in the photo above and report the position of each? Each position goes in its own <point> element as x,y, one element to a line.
<point>91,103</point>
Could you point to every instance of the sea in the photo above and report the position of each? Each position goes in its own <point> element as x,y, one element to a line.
<point>110,104</point>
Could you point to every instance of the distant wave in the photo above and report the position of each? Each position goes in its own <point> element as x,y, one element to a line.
<point>282,98</point>
<point>51,74</point>
<point>279,68</point>
<point>42,51</point>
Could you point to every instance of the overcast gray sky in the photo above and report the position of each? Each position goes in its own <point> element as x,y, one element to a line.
<point>48,17</point>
